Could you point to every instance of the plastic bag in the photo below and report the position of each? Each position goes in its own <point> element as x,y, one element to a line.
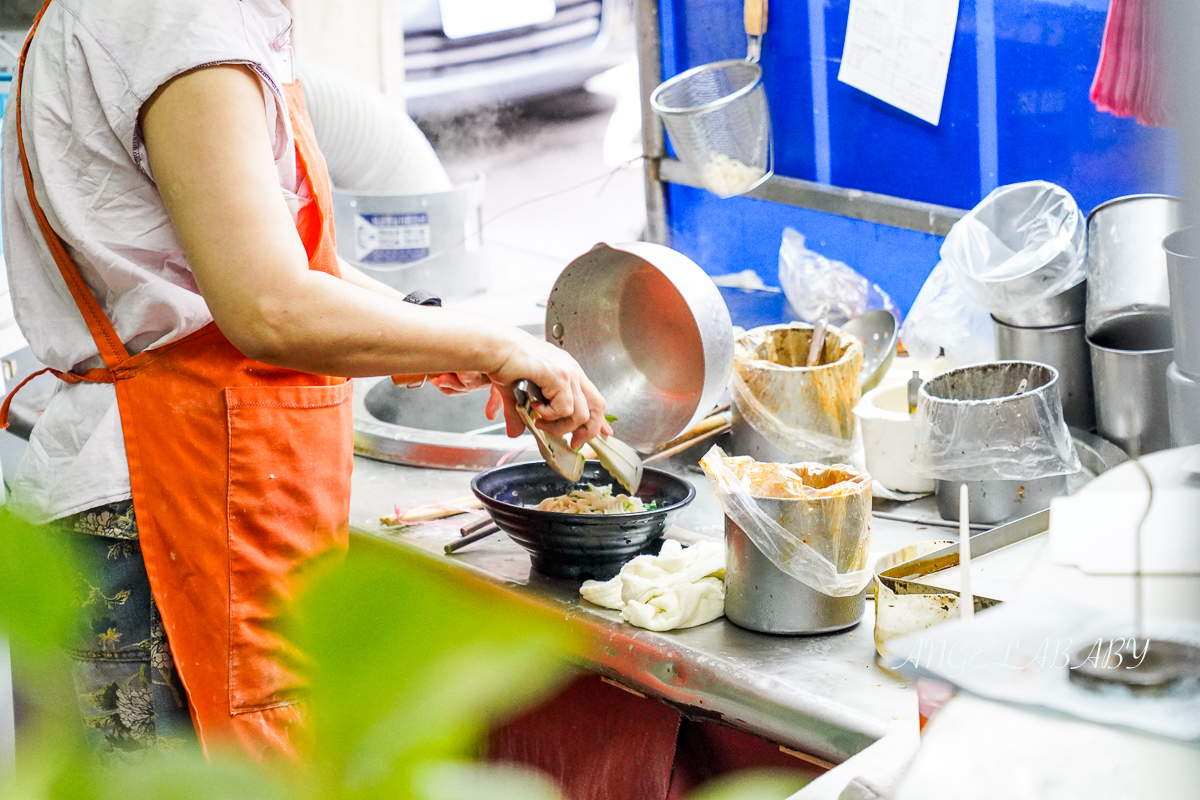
<point>806,412</point>
<point>1023,244</point>
<point>812,281</point>
<point>828,533</point>
<point>1009,433</point>
<point>944,317</point>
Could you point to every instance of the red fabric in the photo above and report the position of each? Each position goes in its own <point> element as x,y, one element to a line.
<point>240,474</point>
<point>603,743</point>
<point>1130,80</point>
<point>599,742</point>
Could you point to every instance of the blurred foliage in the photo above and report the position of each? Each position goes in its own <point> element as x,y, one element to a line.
<point>408,667</point>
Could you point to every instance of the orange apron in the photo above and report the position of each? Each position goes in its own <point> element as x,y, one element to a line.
<point>240,474</point>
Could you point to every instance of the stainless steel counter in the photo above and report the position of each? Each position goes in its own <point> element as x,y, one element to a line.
<point>820,695</point>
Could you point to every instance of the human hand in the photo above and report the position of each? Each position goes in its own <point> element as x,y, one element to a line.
<point>572,404</point>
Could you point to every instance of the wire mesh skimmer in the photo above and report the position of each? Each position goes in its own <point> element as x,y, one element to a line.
<point>718,119</point>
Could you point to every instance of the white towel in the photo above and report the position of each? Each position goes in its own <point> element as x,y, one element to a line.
<point>678,588</point>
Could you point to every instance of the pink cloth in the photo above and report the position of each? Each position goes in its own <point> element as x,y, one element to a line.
<point>1130,81</point>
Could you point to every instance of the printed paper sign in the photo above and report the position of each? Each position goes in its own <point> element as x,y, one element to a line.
<point>391,238</point>
<point>463,18</point>
<point>899,51</point>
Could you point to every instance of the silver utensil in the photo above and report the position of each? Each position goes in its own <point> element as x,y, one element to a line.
<point>877,331</point>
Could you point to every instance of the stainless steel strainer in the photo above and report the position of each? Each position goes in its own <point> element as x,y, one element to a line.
<point>718,119</point>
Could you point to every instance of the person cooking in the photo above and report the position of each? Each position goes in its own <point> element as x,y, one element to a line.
<point>171,258</point>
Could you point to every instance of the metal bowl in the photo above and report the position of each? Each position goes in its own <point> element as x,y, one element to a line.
<point>651,330</point>
<point>577,546</point>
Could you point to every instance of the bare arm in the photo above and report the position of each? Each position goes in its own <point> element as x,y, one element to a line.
<point>209,148</point>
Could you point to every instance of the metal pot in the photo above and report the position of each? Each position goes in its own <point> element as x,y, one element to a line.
<point>1126,264</point>
<point>998,429</point>
<point>1130,355</point>
<point>651,330</point>
<point>762,597</point>
<point>1066,308</point>
<point>991,502</point>
<point>1183,275</point>
<point>1183,400</point>
<point>1064,348</point>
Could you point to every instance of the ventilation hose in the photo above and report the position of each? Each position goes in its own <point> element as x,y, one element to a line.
<point>368,143</point>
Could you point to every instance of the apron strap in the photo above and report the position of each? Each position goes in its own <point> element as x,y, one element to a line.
<point>105,336</point>
<point>91,376</point>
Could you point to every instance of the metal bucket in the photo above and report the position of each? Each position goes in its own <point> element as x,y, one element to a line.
<point>1130,355</point>
<point>1064,348</point>
<point>429,241</point>
<point>1184,402</point>
<point>1183,275</point>
<point>762,597</point>
<point>991,502</point>
<point>1066,308</point>
<point>804,413</point>
<point>1126,264</point>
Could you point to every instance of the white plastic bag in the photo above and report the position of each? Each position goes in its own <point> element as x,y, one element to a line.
<point>1023,244</point>
<point>835,518</point>
<point>943,317</point>
<point>811,281</point>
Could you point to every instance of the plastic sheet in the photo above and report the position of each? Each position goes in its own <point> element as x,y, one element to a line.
<point>811,520</point>
<point>978,423</point>
<point>812,281</point>
<point>945,318</point>
<point>805,411</point>
<point>1023,243</point>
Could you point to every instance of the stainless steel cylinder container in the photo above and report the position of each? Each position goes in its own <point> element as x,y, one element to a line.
<point>1126,264</point>
<point>1183,275</point>
<point>1066,308</point>
<point>1065,348</point>
<point>762,597</point>
<point>991,502</point>
<point>1130,355</point>
<point>1183,400</point>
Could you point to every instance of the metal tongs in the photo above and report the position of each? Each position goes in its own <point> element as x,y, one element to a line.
<point>622,461</point>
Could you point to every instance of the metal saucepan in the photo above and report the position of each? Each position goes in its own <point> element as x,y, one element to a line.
<point>651,330</point>
<point>578,546</point>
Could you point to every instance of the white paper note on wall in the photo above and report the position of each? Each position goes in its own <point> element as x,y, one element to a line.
<point>899,51</point>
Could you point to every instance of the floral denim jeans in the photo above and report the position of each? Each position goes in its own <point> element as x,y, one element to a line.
<point>129,691</point>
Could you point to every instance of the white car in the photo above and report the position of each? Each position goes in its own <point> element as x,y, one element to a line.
<point>466,54</point>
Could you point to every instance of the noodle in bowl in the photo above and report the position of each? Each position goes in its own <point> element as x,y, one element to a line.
<point>571,544</point>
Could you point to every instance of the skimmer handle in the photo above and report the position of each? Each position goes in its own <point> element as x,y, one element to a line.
<point>754,17</point>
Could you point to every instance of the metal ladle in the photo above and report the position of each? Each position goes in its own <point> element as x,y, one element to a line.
<point>877,331</point>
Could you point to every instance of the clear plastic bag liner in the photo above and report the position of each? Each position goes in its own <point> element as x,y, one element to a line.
<point>1023,244</point>
<point>799,409</point>
<point>827,510</point>
<point>1020,437</point>
<point>945,318</point>
<point>810,281</point>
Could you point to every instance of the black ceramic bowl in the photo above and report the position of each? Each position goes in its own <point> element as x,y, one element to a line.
<point>578,546</point>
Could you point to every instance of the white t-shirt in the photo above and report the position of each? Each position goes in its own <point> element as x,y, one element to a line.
<point>91,67</point>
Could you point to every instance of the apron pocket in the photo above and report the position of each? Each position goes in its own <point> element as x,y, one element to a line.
<point>290,457</point>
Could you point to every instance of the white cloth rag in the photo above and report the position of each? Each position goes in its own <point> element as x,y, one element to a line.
<point>679,588</point>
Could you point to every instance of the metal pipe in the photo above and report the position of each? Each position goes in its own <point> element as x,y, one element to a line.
<point>654,143</point>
